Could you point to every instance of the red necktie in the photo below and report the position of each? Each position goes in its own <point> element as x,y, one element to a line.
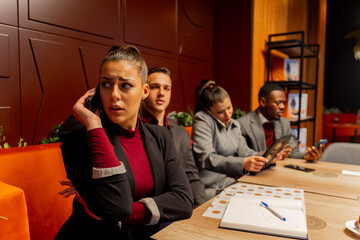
<point>269,133</point>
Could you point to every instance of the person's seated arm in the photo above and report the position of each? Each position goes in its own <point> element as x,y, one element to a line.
<point>311,154</point>
<point>210,159</point>
<point>140,214</point>
<point>191,170</point>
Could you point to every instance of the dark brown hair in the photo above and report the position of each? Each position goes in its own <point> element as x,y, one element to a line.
<point>198,92</point>
<point>267,88</point>
<point>127,53</point>
<point>160,70</point>
<point>211,95</point>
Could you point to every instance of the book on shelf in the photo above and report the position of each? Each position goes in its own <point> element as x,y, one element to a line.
<point>284,69</point>
<point>302,137</point>
<point>247,213</point>
<point>293,102</point>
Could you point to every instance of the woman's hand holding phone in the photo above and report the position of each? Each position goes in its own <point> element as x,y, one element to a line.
<point>88,118</point>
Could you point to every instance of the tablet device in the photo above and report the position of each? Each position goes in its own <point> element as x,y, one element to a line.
<point>276,146</point>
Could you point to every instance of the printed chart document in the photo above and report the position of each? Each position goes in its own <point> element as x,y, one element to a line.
<point>245,212</point>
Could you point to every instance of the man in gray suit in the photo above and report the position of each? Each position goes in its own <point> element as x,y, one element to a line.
<point>153,111</point>
<point>266,123</point>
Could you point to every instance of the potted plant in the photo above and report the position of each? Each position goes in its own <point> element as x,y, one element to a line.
<point>237,113</point>
<point>182,119</point>
<point>54,137</point>
<point>4,144</point>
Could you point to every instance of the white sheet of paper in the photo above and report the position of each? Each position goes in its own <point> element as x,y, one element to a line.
<point>353,173</point>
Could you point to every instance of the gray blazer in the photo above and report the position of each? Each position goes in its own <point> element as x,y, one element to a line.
<point>254,133</point>
<point>219,151</point>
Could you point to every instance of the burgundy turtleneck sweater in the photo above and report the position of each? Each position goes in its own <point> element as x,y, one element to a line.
<point>104,157</point>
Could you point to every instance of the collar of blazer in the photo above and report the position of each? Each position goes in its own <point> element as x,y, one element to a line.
<point>258,131</point>
<point>231,124</point>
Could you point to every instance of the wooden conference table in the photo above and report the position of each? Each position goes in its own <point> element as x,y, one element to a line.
<point>327,179</point>
<point>330,201</point>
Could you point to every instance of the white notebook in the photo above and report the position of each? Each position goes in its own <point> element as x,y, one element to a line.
<point>245,212</point>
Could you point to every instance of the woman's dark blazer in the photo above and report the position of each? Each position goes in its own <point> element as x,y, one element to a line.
<point>111,198</point>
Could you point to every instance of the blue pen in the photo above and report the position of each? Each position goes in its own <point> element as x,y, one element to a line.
<point>273,211</point>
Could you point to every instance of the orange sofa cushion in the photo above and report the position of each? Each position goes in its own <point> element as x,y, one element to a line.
<point>37,170</point>
<point>13,208</point>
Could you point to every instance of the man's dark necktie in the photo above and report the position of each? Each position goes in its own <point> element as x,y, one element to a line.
<point>269,133</point>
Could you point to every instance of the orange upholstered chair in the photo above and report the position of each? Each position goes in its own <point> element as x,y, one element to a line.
<point>14,222</point>
<point>189,130</point>
<point>37,170</point>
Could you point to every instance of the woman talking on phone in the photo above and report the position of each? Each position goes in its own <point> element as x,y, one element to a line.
<point>126,173</point>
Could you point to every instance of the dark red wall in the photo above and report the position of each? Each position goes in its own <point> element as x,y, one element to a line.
<point>232,50</point>
<point>50,52</point>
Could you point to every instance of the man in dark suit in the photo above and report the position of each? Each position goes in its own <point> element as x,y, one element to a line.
<point>153,111</point>
<point>266,123</point>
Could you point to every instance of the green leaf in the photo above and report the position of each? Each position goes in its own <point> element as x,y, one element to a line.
<point>237,113</point>
<point>181,118</point>
<point>20,142</point>
<point>54,135</point>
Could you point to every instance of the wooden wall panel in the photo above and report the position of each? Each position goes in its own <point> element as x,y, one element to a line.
<point>232,50</point>
<point>91,59</point>
<point>5,55</point>
<point>191,75</point>
<point>10,117</point>
<point>9,12</point>
<point>95,17</point>
<point>280,16</point>
<point>317,34</point>
<point>62,42</point>
<point>52,80</point>
<point>94,20</point>
<point>151,24</point>
<point>195,29</point>
<point>270,17</point>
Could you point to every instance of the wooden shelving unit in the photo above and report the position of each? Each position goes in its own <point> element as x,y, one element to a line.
<point>293,46</point>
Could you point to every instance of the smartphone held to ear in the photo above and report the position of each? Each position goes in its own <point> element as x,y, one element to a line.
<point>93,102</point>
<point>322,142</point>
